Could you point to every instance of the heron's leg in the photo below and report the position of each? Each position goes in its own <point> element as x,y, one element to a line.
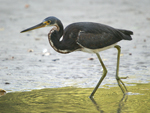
<point>120,83</point>
<point>103,76</point>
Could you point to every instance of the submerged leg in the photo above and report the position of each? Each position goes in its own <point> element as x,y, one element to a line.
<point>120,83</point>
<point>103,76</point>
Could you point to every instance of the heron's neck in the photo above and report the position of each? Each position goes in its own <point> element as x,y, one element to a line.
<point>54,38</point>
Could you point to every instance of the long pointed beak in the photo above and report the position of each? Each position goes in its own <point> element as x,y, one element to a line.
<point>34,27</point>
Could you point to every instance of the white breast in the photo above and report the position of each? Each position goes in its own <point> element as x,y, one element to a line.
<point>84,49</point>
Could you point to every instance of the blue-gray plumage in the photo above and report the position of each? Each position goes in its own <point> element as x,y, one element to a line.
<point>85,36</point>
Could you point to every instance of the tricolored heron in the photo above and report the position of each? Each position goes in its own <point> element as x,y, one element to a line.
<point>88,37</point>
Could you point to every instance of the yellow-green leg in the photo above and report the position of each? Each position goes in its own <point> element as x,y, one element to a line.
<point>103,76</point>
<point>120,83</point>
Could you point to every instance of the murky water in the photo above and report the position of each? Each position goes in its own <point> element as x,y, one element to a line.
<point>75,100</point>
<point>23,66</point>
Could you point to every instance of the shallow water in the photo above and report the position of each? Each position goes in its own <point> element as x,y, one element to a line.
<point>24,66</point>
<point>75,100</point>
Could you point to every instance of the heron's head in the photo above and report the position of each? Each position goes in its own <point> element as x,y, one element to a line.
<point>49,21</point>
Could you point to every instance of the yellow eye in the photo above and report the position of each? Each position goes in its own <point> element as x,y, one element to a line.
<point>49,21</point>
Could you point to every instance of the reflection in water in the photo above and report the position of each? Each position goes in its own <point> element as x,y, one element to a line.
<point>122,103</point>
<point>75,100</point>
<point>120,106</point>
<point>96,105</point>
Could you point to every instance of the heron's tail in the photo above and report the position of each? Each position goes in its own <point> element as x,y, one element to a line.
<point>126,34</point>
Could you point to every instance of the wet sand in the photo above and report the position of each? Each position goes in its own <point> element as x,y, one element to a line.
<point>24,65</point>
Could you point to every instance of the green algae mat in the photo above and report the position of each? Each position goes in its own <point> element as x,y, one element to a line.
<point>75,100</point>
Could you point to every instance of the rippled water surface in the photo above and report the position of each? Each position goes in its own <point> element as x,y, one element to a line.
<point>75,100</point>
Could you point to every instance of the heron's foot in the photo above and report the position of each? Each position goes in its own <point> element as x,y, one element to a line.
<point>121,84</point>
<point>119,78</point>
<point>124,77</point>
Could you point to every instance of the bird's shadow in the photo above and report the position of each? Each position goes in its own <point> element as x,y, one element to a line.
<point>120,104</point>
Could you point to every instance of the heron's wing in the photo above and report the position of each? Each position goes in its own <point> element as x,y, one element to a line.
<point>96,41</point>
